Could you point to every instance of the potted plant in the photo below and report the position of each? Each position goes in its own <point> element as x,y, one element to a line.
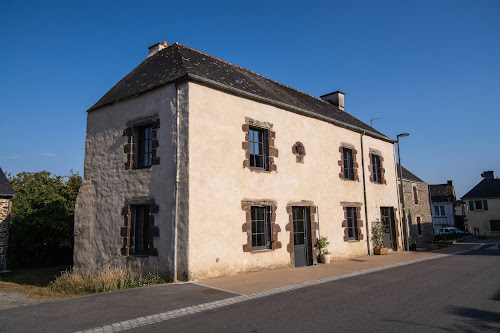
<point>412,244</point>
<point>379,231</point>
<point>324,254</point>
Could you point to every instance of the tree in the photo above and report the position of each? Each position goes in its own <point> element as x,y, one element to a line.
<point>41,230</point>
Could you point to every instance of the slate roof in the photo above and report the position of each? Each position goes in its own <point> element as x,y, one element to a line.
<point>487,188</point>
<point>177,62</point>
<point>6,189</point>
<point>442,193</point>
<point>407,175</point>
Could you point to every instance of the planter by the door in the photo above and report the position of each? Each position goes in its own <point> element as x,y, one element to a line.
<point>325,258</point>
<point>382,250</point>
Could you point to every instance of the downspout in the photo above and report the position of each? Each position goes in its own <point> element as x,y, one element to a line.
<point>364,194</point>
<point>177,178</point>
<point>4,261</point>
<point>400,193</point>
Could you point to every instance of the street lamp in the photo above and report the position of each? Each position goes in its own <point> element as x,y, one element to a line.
<point>405,226</point>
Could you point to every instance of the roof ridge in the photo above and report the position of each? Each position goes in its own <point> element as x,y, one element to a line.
<point>245,69</point>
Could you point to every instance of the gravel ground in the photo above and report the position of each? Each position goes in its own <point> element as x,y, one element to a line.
<point>12,299</point>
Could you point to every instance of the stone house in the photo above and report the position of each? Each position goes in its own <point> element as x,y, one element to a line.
<point>6,195</point>
<point>483,201</point>
<point>197,168</point>
<point>417,207</point>
<point>442,202</point>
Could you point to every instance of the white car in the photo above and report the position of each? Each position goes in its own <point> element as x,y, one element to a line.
<point>449,230</point>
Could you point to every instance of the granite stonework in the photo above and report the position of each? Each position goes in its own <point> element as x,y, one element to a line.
<point>418,210</point>
<point>4,212</point>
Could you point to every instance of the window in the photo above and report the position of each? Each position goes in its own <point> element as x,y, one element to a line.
<point>377,172</point>
<point>479,204</point>
<point>415,195</point>
<point>419,226</point>
<point>145,146</point>
<point>258,148</point>
<point>142,143</point>
<point>348,164</point>
<point>495,225</point>
<point>141,229</point>
<point>261,227</point>
<point>439,211</point>
<point>352,225</point>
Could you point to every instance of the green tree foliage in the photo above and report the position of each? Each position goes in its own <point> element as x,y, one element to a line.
<point>41,230</point>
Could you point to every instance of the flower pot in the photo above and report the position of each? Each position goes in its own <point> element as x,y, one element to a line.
<point>325,258</point>
<point>382,250</point>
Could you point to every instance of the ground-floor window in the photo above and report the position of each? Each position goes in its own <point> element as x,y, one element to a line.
<point>419,226</point>
<point>495,225</point>
<point>261,227</point>
<point>352,223</point>
<point>141,229</point>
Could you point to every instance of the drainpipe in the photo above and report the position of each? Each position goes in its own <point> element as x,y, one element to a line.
<point>177,179</point>
<point>364,194</point>
<point>400,192</point>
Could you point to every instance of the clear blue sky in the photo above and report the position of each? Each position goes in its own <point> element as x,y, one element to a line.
<point>430,68</point>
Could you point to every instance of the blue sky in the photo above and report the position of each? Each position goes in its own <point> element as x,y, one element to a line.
<point>430,68</point>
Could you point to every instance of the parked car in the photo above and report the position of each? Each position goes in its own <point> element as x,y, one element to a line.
<point>449,230</point>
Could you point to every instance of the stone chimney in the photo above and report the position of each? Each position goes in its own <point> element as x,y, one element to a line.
<point>488,175</point>
<point>155,48</point>
<point>450,182</point>
<point>336,98</point>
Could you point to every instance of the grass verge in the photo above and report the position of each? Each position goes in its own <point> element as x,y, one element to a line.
<point>61,282</point>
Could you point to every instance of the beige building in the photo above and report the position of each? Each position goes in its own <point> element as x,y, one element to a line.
<point>483,201</point>
<point>197,168</point>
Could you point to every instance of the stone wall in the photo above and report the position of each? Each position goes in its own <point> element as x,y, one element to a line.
<point>418,210</point>
<point>4,211</point>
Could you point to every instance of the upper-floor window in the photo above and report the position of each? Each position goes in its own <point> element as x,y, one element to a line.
<point>259,152</point>
<point>145,146</point>
<point>439,211</point>
<point>478,204</point>
<point>261,227</point>
<point>377,172</point>
<point>352,223</point>
<point>142,143</point>
<point>348,164</point>
<point>415,195</point>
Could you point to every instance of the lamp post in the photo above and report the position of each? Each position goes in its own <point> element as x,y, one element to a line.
<point>405,225</point>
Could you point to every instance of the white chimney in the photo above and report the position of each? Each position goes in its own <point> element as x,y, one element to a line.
<point>153,49</point>
<point>336,98</point>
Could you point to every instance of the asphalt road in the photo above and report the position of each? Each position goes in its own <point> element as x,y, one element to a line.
<point>460,293</point>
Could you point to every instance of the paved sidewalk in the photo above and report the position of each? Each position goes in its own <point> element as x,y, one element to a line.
<point>247,283</point>
<point>121,310</point>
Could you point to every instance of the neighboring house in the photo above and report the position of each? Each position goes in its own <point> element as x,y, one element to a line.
<point>442,203</point>
<point>483,200</point>
<point>6,195</point>
<point>196,168</point>
<point>417,206</point>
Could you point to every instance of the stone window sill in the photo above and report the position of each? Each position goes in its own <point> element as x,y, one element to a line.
<point>261,250</point>
<point>353,241</point>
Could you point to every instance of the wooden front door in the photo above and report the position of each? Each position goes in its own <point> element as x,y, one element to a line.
<point>387,214</point>
<point>302,236</point>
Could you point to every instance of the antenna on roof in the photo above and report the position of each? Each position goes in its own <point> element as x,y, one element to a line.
<point>372,120</point>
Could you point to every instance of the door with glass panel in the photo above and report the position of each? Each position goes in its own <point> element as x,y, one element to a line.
<point>301,236</point>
